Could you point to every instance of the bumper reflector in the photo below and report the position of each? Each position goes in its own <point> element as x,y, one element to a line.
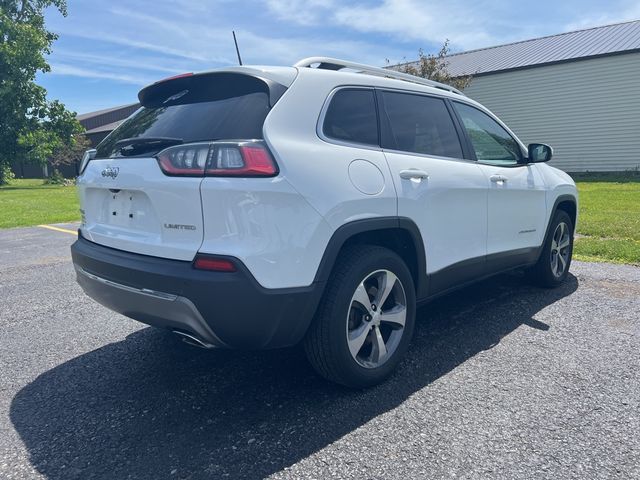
<point>214,264</point>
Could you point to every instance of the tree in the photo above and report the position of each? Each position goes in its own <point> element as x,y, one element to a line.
<point>31,127</point>
<point>434,67</point>
<point>70,153</point>
<point>67,154</point>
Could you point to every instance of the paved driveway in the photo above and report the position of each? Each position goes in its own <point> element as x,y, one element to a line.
<point>503,381</point>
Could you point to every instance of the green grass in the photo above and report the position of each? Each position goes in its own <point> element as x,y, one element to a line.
<point>30,202</point>
<point>608,227</point>
<point>609,219</point>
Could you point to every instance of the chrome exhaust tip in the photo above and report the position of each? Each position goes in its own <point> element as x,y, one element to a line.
<point>192,340</point>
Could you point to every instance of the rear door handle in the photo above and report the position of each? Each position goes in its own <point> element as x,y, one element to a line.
<point>413,173</point>
<point>498,178</point>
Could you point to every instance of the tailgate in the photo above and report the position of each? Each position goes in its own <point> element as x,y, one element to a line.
<point>129,204</point>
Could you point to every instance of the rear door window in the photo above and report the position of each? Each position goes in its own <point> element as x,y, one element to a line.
<point>419,124</point>
<point>351,117</point>
<point>222,106</point>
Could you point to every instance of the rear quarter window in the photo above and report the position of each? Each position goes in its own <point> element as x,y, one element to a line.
<point>351,117</point>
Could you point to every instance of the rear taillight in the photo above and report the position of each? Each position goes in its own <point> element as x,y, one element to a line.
<point>246,158</point>
<point>186,160</point>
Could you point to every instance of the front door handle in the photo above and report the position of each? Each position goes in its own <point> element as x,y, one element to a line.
<point>498,178</point>
<point>413,173</point>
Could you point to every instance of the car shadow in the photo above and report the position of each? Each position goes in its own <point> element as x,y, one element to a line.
<point>151,407</point>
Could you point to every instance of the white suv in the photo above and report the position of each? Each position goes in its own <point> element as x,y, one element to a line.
<point>258,207</point>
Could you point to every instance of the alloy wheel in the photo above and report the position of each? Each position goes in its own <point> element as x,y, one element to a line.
<point>560,243</point>
<point>376,318</point>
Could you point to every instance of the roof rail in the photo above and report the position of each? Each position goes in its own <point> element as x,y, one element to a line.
<point>328,63</point>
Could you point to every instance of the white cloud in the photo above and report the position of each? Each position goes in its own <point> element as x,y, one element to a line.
<point>135,44</point>
<point>286,51</point>
<point>414,20</point>
<point>75,71</point>
<point>631,12</point>
<point>467,24</point>
<point>141,40</point>
<point>151,64</point>
<point>406,20</point>
<point>205,46</point>
<point>302,12</point>
<point>193,36</point>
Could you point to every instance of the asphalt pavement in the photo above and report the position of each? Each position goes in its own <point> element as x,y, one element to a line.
<point>504,380</point>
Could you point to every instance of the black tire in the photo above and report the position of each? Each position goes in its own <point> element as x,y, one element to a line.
<point>543,273</point>
<point>326,343</point>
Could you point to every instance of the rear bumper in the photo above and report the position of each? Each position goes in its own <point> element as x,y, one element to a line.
<point>219,309</point>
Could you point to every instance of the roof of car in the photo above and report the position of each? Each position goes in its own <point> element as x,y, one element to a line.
<point>346,77</point>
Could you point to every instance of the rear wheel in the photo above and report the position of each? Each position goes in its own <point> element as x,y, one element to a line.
<point>552,267</point>
<point>365,321</point>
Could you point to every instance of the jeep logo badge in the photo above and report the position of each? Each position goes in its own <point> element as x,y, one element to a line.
<point>111,172</point>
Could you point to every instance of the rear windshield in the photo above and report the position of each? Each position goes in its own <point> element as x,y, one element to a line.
<point>222,106</point>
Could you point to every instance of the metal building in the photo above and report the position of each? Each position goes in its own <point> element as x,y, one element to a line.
<point>577,91</point>
<point>100,124</point>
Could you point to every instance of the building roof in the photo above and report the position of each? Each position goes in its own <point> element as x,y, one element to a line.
<point>107,127</point>
<point>563,47</point>
<point>95,121</point>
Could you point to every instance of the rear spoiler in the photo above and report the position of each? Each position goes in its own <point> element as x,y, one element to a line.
<point>208,86</point>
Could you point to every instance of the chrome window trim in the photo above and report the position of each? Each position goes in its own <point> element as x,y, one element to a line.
<point>426,155</point>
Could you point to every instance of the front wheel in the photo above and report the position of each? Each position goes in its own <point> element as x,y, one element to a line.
<point>365,321</point>
<point>552,267</point>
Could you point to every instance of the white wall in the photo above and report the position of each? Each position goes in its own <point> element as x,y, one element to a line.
<point>587,110</point>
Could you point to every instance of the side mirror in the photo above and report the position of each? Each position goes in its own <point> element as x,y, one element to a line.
<point>539,152</point>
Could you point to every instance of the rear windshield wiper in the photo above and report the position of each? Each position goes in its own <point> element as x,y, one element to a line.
<point>137,145</point>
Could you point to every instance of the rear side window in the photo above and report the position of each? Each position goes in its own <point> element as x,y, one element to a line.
<point>222,106</point>
<point>420,124</point>
<point>351,117</point>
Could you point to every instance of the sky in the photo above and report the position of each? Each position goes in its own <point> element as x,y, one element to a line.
<point>108,50</point>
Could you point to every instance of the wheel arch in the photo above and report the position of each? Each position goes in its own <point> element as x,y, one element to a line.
<point>567,203</point>
<point>399,234</point>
